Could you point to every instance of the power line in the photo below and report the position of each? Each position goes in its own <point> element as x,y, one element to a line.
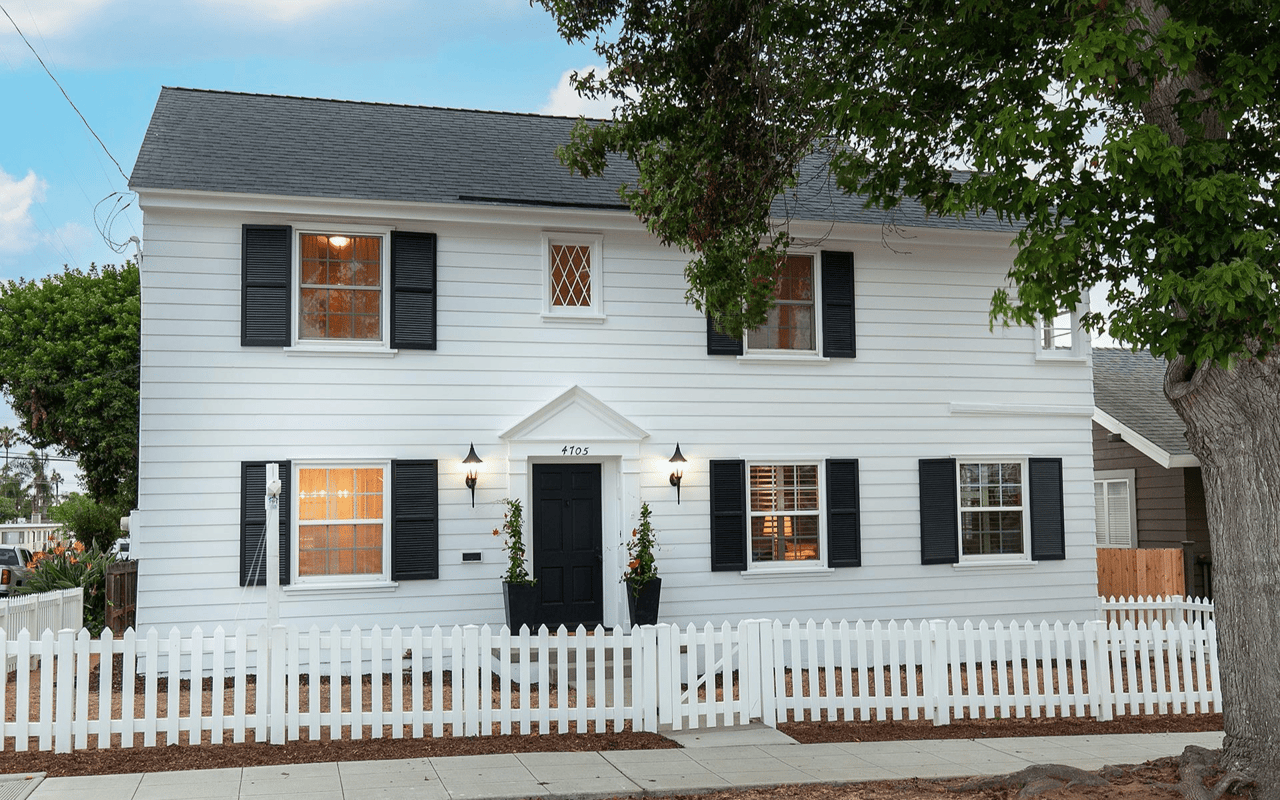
<point>64,94</point>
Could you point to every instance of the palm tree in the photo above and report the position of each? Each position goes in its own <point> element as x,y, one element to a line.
<point>8,438</point>
<point>56,480</point>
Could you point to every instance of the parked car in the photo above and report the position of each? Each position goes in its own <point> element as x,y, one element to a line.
<point>13,567</point>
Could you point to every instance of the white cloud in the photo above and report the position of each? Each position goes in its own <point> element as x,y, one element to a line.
<point>563,101</point>
<point>18,232</point>
<point>40,18</point>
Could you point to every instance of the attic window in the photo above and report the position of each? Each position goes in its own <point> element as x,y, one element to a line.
<point>571,277</point>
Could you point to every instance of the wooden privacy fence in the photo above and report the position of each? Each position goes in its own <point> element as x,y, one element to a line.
<point>122,596</point>
<point>1142,572</point>
<point>282,684</point>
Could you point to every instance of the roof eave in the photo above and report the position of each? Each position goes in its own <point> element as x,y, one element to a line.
<point>1144,445</point>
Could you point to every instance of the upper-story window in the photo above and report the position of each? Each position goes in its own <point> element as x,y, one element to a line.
<point>993,519</point>
<point>340,287</point>
<point>1060,336</point>
<point>786,522</point>
<point>792,322</point>
<point>572,277</point>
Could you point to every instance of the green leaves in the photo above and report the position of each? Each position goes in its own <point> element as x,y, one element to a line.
<point>69,350</point>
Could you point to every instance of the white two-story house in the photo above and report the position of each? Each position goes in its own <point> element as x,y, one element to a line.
<point>362,293</point>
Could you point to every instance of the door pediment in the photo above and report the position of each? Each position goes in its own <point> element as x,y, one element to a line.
<point>576,415</point>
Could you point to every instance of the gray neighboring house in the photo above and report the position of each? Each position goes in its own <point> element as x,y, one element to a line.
<point>1147,484</point>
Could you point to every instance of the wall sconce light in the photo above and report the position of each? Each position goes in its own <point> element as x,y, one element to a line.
<point>677,474</point>
<point>472,458</point>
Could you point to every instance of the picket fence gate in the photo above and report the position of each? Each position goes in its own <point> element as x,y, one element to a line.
<point>282,684</point>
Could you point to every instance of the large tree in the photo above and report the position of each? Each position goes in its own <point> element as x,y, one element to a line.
<point>69,348</point>
<point>1132,144</point>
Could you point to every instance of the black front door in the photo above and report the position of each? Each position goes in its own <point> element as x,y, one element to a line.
<point>567,543</point>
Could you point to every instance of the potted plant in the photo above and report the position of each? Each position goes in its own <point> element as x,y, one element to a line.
<point>644,587</point>
<point>520,598</point>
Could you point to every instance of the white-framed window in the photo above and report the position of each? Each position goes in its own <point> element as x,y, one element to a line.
<point>793,324</point>
<point>1115,508</point>
<point>572,277</point>
<point>341,299</point>
<point>1060,336</point>
<point>784,505</point>
<point>994,519</point>
<point>341,522</point>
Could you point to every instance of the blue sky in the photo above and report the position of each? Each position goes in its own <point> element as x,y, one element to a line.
<point>112,57</point>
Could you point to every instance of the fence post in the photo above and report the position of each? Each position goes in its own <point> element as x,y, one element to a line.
<point>1100,671</point>
<point>65,654</point>
<point>277,653</point>
<point>938,686</point>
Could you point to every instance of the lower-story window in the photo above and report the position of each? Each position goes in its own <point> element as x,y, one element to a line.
<point>785,513</point>
<point>992,506</point>
<point>342,521</point>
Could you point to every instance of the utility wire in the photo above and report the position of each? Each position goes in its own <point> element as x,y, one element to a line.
<point>64,94</point>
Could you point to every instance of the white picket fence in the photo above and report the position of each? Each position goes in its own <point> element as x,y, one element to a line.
<point>1165,608</point>
<point>40,612</point>
<point>283,684</point>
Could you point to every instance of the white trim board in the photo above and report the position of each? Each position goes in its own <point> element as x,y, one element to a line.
<point>1142,444</point>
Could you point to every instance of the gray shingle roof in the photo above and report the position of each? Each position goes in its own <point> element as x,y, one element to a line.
<point>1130,387</point>
<point>304,147</point>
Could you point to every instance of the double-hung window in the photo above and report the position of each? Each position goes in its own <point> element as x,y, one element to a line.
<point>993,522</point>
<point>786,522</point>
<point>340,287</point>
<point>1060,336</point>
<point>792,322</point>
<point>1115,509</point>
<point>342,521</point>
<point>813,313</point>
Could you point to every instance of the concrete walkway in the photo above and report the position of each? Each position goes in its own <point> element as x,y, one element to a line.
<point>709,760</point>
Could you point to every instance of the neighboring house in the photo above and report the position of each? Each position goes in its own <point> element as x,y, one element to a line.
<point>1147,483</point>
<point>362,292</point>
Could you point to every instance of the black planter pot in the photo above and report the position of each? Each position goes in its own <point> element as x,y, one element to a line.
<point>643,602</point>
<point>523,605</point>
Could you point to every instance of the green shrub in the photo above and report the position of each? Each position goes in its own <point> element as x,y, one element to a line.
<point>65,567</point>
<point>92,523</point>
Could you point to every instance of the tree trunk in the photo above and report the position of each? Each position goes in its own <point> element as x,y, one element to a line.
<point>1233,427</point>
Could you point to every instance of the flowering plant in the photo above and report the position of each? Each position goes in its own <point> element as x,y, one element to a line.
<point>641,567</point>
<point>68,566</point>
<point>513,542</point>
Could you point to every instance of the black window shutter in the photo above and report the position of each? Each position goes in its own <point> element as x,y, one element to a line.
<point>415,524</point>
<point>413,290</point>
<point>253,523</point>
<point>1048,523</point>
<point>844,531</point>
<point>265,267</point>
<point>721,344</point>
<point>728,515</point>
<point>837,305</point>
<point>939,512</point>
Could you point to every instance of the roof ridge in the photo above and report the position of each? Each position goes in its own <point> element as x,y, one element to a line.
<point>377,103</point>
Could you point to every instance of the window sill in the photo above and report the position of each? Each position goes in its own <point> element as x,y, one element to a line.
<point>591,319</point>
<point>1065,358</point>
<point>308,351</point>
<point>361,587</point>
<point>786,574</point>
<point>762,358</point>
<point>994,566</point>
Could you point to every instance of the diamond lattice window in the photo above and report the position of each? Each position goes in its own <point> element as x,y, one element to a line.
<point>570,276</point>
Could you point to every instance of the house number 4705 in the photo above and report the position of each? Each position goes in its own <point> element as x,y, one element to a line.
<point>574,450</point>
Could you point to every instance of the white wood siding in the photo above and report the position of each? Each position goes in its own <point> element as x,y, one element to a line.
<point>923,343</point>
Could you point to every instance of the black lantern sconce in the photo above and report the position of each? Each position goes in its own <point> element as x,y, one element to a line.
<point>677,475</point>
<point>472,458</point>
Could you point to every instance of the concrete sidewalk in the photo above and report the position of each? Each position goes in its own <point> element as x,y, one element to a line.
<point>709,760</point>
